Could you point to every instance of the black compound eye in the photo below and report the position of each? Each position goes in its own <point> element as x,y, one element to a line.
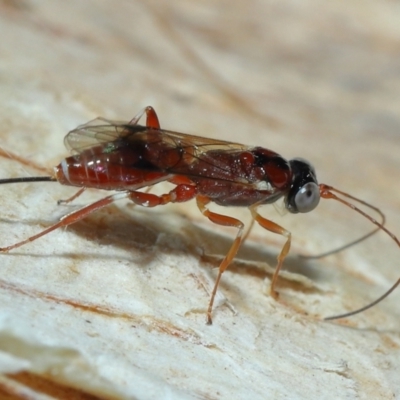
<point>307,198</point>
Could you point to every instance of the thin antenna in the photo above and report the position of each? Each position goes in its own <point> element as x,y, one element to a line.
<point>341,248</point>
<point>326,193</point>
<point>348,245</point>
<point>370,305</point>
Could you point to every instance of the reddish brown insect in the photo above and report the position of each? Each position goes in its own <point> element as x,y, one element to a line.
<point>126,157</point>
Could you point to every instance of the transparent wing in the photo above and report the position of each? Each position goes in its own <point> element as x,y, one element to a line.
<point>95,132</point>
<point>156,149</point>
<point>198,144</point>
<point>103,131</point>
<point>192,156</point>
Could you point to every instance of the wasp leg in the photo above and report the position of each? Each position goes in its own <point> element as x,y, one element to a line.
<point>71,218</point>
<point>72,198</point>
<point>275,228</point>
<point>179,194</point>
<point>224,220</point>
<point>248,230</point>
<point>151,118</point>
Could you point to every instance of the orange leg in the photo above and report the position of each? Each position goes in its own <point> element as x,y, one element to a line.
<point>180,193</point>
<point>72,198</point>
<point>248,230</point>
<point>224,220</point>
<point>71,218</point>
<point>80,191</point>
<point>151,118</point>
<point>275,228</point>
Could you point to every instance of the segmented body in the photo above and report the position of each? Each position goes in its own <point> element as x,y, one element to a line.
<point>135,156</point>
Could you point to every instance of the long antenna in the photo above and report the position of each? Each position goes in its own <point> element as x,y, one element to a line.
<point>370,305</point>
<point>344,247</point>
<point>326,193</point>
<point>356,241</point>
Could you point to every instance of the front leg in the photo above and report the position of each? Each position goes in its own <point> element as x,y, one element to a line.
<point>275,228</point>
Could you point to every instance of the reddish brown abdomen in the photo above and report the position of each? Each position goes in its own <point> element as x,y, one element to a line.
<point>109,170</point>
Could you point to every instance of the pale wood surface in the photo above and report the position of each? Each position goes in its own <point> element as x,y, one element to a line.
<point>115,304</point>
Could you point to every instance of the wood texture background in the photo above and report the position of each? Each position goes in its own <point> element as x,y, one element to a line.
<point>114,306</point>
